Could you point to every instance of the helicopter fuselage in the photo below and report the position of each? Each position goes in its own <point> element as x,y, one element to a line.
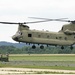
<point>65,37</point>
<point>43,37</point>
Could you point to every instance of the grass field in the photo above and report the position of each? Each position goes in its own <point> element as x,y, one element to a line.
<point>47,61</point>
<point>42,57</point>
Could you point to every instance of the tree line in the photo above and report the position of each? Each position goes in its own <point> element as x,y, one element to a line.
<point>29,50</point>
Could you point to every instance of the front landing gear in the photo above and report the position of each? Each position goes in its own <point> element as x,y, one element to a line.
<point>33,47</point>
<point>62,47</point>
<point>41,47</point>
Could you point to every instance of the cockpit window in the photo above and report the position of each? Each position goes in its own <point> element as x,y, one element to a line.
<point>62,28</point>
<point>19,32</point>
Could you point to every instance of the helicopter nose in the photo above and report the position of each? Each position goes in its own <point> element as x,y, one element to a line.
<point>15,38</point>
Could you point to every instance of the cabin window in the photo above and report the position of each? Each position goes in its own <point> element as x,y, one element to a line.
<point>39,35</point>
<point>29,35</point>
<point>56,37</point>
<point>65,38</point>
<point>48,36</point>
<point>60,37</point>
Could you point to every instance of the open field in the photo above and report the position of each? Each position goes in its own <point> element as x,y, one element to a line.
<point>58,62</point>
<point>42,61</point>
<point>42,57</point>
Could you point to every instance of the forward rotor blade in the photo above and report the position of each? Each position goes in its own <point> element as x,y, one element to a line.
<point>9,23</point>
<point>37,21</point>
<point>46,20</point>
<point>12,23</point>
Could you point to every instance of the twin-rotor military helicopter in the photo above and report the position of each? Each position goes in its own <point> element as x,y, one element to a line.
<point>64,37</point>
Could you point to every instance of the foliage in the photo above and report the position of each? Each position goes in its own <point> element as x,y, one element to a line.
<point>29,50</point>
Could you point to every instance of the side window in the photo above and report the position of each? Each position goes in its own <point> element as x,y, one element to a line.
<point>48,36</point>
<point>65,38</point>
<point>29,35</point>
<point>60,38</point>
<point>39,36</point>
<point>56,37</point>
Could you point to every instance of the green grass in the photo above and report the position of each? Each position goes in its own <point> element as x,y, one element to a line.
<point>42,61</point>
<point>38,67</point>
<point>37,57</point>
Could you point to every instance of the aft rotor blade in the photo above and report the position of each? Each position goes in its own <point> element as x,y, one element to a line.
<point>37,21</point>
<point>47,18</point>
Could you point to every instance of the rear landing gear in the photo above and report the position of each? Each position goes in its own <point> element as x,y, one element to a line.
<point>62,47</point>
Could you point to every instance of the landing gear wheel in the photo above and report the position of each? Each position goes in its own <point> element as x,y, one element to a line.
<point>42,47</point>
<point>33,47</point>
<point>71,47</point>
<point>62,47</point>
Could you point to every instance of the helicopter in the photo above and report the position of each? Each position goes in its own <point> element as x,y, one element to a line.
<point>64,37</point>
